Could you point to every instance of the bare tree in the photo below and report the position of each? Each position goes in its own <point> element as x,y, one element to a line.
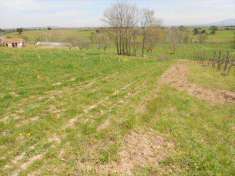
<point>122,18</point>
<point>172,37</point>
<point>154,35</point>
<point>202,37</point>
<point>100,39</point>
<point>183,35</point>
<point>148,22</point>
<point>177,35</point>
<point>233,42</point>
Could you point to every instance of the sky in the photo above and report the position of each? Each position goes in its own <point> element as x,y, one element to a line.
<point>88,13</point>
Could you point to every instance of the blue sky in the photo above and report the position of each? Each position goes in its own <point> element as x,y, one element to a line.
<point>82,13</point>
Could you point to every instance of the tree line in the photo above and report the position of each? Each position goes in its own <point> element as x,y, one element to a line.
<point>131,31</point>
<point>131,28</point>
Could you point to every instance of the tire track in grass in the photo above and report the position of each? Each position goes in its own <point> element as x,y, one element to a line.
<point>108,77</point>
<point>94,106</point>
<point>123,101</point>
<point>108,97</point>
<point>72,121</point>
<point>53,94</point>
<point>25,165</point>
<point>30,161</point>
<point>74,91</point>
<point>111,106</point>
<point>89,109</point>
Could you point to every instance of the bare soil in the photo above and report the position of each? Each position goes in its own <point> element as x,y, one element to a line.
<point>176,77</point>
<point>140,149</point>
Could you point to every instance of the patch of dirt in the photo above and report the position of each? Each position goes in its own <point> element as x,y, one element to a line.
<point>55,111</point>
<point>12,116</point>
<point>19,157</point>
<point>57,84</point>
<point>139,149</point>
<point>54,139</point>
<point>104,125</point>
<point>27,121</point>
<point>14,94</point>
<point>177,78</point>
<point>233,128</point>
<point>142,149</point>
<point>72,79</point>
<point>28,163</point>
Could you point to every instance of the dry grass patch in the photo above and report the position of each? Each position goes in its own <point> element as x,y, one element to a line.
<point>140,148</point>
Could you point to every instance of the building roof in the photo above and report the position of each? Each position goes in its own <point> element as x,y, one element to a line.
<point>12,40</point>
<point>54,44</point>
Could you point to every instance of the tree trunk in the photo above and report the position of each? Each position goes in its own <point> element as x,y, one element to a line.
<point>143,42</point>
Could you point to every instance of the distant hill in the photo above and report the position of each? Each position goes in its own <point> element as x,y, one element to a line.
<point>227,22</point>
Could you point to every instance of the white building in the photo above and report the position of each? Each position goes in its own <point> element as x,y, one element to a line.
<point>12,42</point>
<point>53,44</point>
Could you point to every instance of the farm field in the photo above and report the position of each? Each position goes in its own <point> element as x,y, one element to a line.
<point>87,112</point>
<point>220,37</point>
<point>117,88</point>
<point>55,35</point>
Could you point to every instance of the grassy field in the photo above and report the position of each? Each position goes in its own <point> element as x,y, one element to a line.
<point>221,37</point>
<point>212,78</point>
<point>71,112</point>
<point>56,35</point>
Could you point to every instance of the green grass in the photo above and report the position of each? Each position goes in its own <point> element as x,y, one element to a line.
<point>212,78</point>
<point>188,51</point>
<point>221,36</point>
<point>203,132</point>
<point>29,92</point>
<point>51,35</point>
<point>53,103</point>
<point>222,39</point>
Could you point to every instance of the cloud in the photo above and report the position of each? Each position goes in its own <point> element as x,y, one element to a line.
<point>77,13</point>
<point>27,13</point>
<point>190,12</point>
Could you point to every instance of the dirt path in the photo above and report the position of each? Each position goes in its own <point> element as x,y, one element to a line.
<point>176,77</point>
